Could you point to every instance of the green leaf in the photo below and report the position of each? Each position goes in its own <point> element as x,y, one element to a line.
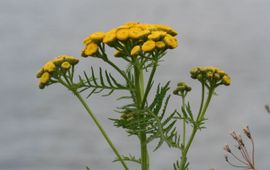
<point>104,82</point>
<point>130,158</point>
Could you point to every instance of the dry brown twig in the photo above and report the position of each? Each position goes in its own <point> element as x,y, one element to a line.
<point>246,158</point>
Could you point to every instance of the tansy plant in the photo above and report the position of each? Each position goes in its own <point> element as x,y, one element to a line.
<point>141,47</point>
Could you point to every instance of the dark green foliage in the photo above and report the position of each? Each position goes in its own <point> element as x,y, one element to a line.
<point>151,120</point>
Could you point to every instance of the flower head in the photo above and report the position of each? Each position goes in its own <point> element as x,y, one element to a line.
<point>65,65</point>
<point>49,66</point>
<point>171,41</point>
<point>210,75</point>
<point>149,46</point>
<point>90,50</point>
<point>109,37</point>
<point>54,69</point>
<point>127,38</point>
<point>182,89</point>
<point>97,36</point>
<point>160,44</point>
<point>122,34</point>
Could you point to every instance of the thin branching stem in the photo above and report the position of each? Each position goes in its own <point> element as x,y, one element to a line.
<point>103,132</point>
<point>149,84</point>
<point>92,115</point>
<point>196,126</point>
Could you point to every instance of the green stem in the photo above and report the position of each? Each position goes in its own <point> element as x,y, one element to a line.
<point>202,101</point>
<point>91,114</point>
<point>139,85</point>
<point>195,128</point>
<point>211,92</point>
<point>184,124</point>
<point>149,83</point>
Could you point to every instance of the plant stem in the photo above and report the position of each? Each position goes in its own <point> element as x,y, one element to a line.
<point>139,84</point>
<point>91,114</point>
<point>196,126</point>
<point>149,84</point>
<point>184,124</point>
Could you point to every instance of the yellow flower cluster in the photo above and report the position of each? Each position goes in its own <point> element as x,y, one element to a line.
<point>181,89</point>
<point>132,38</point>
<point>62,63</point>
<point>213,75</point>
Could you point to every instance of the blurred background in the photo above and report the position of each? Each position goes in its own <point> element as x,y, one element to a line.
<point>49,130</point>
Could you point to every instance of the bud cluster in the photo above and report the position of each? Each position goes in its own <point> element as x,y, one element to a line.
<point>52,68</point>
<point>210,75</point>
<point>182,89</point>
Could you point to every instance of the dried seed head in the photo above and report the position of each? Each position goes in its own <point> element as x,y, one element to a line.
<point>234,135</point>
<point>227,148</point>
<point>247,132</point>
<point>226,158</point>
<point>240,141</point>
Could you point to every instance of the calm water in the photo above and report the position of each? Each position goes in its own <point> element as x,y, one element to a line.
<point>48,129</point>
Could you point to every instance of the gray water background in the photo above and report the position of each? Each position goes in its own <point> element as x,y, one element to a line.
<point>49,130</point>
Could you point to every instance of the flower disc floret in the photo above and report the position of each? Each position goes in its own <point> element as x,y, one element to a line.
<point>160,44</point>
<point>166,28</point>
<point>44,79</point>
<point>226,80</point>
<point>109,37</point>
<point>136,32</point>
<point>39,73</point>
<point>171,41</point>
<point>72,60</point>
<point>65,65</point>
<point>49,66</point>
<point>90,50</point>
<point>149,46</point>
<point>122,34</point>
<point>97,36</point>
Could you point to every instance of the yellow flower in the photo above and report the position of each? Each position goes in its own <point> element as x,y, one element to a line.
<point>87,40</point>
<point>156,35</point>
<point>166,29</point>
<point>171,41</point>
<point>226,80</point>
<point>149,27</point>
<point>58,60</point>
<point>49,67</point>
<point>122,34</point>
<point>221,72</point>
<point>109,37</point>
<point>39,73</point>
<point>149,46</point>
<point>90,49</point>
<point>160,44</point>
<point>44,79</point>
<point>211,69</point>
<point>123,27</point>
<point>97,36</point>
<point>135,32</point>
<point>65,65</point>
<point>72,60</point>
<point>131,23</point>
<point>135,50</point>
